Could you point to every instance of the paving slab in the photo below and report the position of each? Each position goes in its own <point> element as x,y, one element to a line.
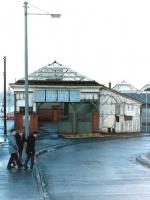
<point>16,184</point>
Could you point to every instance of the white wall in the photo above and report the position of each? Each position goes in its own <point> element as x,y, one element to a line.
<point>21,102</point>
<point>113,104</point>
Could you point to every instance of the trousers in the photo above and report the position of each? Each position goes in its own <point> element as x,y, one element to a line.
<point>29,157</point>
<point>13,157</point>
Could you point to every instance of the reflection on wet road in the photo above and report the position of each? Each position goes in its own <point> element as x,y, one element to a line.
<point>98,170</point>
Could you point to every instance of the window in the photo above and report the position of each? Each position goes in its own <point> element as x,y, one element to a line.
<point>117,118</point>
<point>127,118</point>
<point>66,108</point>
<point>22,109</point>
<point>117,109</point>
<point>20,95</point>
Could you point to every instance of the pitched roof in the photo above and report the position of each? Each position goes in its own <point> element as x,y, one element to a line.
<point>56,71</point>
<point>58,75</point>
<point>146,88</point>
<point>127,95</point>
<point>125,87</point>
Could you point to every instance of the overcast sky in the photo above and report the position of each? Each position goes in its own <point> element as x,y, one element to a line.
<point>106,40</point>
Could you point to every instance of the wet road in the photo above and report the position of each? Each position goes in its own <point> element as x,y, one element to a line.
<point>97,170</point>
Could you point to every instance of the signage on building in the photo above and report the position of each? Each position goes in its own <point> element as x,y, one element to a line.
<point>59,95</point>
<point>51,96</point>
<point>74,95</point>
<point>39,95</point>
<point>63,95</point>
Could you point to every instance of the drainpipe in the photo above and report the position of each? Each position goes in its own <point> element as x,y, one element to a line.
<point>5,123</point>
<point>109,85</point>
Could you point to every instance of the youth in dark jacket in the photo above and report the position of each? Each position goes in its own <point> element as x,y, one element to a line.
<point>30,150</point>
<point>13,150</point>
<point>20,139</point>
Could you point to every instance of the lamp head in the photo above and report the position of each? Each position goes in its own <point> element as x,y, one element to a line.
<point>55,15</point>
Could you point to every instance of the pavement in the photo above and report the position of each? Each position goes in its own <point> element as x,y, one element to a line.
<point>15,184</point>
<point>26,184</point>
<point>103,135</point>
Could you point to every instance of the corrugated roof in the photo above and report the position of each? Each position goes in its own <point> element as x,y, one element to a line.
<point>123,94</point>
<point>143,97</point>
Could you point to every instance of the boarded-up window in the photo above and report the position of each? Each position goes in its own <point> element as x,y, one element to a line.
<point>117,118</point>
<point>22,109</point>
<point>66,109</point>
<point>127,118</point>
<point>117,109</point>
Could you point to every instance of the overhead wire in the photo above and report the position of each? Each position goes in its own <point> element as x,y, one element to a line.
<point>36,7</point>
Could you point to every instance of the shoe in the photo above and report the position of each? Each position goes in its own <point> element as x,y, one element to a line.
<point>9,167</point>
<point>25,167</point>
<point>13,164</point>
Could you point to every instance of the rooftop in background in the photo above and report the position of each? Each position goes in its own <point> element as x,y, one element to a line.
<point>56,71</point>
<point>125,87</point>
<point>143,97</point>
<point>146,88</point>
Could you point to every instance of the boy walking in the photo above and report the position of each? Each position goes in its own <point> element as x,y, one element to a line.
<point>30,150</point>
<point>20,139</point>
<point>13,150</point>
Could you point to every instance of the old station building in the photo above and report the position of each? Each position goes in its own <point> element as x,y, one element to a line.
<point>59,94</point>
<point>77,104</point>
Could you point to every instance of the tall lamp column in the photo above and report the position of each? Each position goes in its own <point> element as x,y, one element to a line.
<point>26,120</point>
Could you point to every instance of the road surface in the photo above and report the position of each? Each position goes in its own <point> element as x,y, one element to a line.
<point>97,170</point>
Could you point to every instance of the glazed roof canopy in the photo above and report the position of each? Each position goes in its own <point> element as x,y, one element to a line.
<point>56,71</point>
<point>57,74</point>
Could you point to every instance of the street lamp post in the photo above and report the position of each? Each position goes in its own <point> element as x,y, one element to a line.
<point>26,120</point>
<point>146,111</point>
<point>4,102</point>
<point>26,123</point>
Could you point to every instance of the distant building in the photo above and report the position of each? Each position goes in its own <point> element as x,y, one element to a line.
<point>125,87</point>
<point>142,95</point>
<point>119,112</point>
<point>9,101</point>
<point>145,88</point>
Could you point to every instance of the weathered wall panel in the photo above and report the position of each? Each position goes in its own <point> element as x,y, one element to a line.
<point>118,112</point>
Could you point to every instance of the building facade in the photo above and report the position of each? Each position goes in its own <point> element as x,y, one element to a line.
<point>76,103</point>
<point>59,94</point>
<point>142,95</point>
<point>118,112</point>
